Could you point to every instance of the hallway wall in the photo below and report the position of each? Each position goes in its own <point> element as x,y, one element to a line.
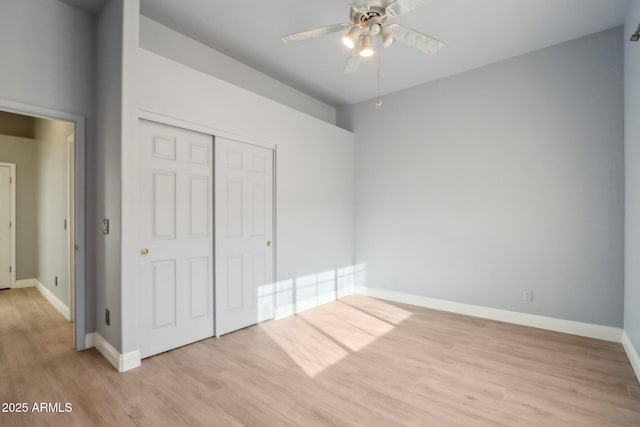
<point>22,152</point>
<point>53,201</point>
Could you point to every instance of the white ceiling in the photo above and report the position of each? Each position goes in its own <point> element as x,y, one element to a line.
<point>476,33</point>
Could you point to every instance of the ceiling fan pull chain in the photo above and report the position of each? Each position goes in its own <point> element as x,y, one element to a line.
<point>379,101</point>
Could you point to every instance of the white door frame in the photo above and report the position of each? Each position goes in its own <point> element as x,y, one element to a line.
<point>79,122</point>
<point>12,216</point>
<point>196,127</point>
<point>71,220</point>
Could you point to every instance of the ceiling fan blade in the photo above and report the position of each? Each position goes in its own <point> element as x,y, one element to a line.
<point>315,33</point>
<point>416,40</point>
<point>400,7</point>
<point>361,6</point>
<point>353,63</point>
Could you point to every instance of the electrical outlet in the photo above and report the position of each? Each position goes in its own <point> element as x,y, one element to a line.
<point>527,296</point>
<point>105,226</point>
<point>107,318</point>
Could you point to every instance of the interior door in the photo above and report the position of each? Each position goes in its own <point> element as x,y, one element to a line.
<point>175,268</point>
<point>244,234</point>
<point>5,227</point>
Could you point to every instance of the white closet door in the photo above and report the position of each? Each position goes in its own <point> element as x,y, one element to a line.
<point>175,268</point>
<point>244,234</point>
<point>5,227</point>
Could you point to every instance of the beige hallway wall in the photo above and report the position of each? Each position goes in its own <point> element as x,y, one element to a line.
<point>52,199</point>
<point>22,152</point>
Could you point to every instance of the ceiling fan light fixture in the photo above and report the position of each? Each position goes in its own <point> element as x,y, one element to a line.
<point>350,39</point>
<point>387,37</point>
<point>367,49</point>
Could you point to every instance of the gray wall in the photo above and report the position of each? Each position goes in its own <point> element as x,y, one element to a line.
<point>109,46</point>
<point>506,178</point>
<point>53,205</point>
<point>22,152</point>
<point>47,50</point>
<point>632,168</point>
<point>166,42</point>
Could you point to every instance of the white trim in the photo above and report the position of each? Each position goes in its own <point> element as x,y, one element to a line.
<point>80,211</point>
<point>54,300</point>
<point>274,232</point>
<point>90,340</point>
<point>12,218</point>
<point>607,333</point>
<point>196,127</point>
<point>129,361</point>
<point>71,223</point>
<point>122,362</point>
<point>632,353</point>
<point>26,283</point>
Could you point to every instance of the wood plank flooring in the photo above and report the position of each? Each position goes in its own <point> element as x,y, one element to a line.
<point>357,361</point>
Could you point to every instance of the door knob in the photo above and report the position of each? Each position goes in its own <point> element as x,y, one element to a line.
<point>268,242</point>
<point>144,251</point>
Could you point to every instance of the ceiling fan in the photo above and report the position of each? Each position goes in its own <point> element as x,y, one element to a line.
<point>368,18</point>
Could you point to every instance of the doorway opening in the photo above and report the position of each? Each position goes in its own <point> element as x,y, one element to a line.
<point>38,218</point>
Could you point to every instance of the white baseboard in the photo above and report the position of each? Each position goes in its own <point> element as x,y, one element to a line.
<point>54,300</point>
<point>632,354</point>
<point>130,360</point>
<point>122,362</point>
<point>26,283</point>
<point>90,340</point>
<point>607,333</point>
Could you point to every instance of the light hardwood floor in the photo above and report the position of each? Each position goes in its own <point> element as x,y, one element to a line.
<point>358,361</point>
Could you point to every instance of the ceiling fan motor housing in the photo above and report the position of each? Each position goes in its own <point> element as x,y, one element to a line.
<point>371,21</point>
<point>364,19</point>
